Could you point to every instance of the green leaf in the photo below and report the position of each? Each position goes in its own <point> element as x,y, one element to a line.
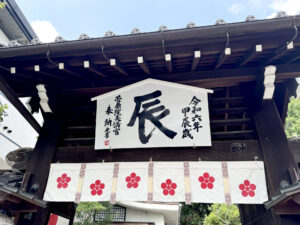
<point>292,123</point>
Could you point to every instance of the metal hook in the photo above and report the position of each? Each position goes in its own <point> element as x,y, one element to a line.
<point>163,43</point>
<point>296,33</point>
<point>255,158</point>
<point>48,57</point>
<point>102,49</point>
<point>227,37</point>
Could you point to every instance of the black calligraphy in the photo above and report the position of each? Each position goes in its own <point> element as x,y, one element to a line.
<point>148,114</point>
<point>107,122</point>
<point>117,114</point>
<point>191,118</point>
<point>112,122</point>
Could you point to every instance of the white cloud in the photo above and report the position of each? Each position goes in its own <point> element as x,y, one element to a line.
<point>45,31</point>
<point>235,9</point>
<point>273,14</point>
<point>291,7</point>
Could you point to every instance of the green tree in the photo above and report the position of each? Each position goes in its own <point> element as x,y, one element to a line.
<point>223,214</point>
<point>194,214</point>
<point>2,5</point>
<point>292,123</point>
<point>2,111</point>
<point>85,213</point>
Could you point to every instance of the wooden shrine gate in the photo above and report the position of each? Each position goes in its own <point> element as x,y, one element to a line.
<point>247,109</point>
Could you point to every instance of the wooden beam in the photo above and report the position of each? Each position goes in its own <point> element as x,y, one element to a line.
<point>256,50</point>
<point>62,66</point>
<point>168,59</point>
<point>229,122</point>
<point>274,144</point>
<point>228,110</point>
<point>13,70</point>
<point>143,64</point>
<point>42,155</point>
<point>279,52</point>
<point>219,151</point>
<point>223,57</point>
<point>291,58</point>
<point>226,99</point>
<point>233,134</point>
<point>196,59</point>
<point>46,72</point>
<point>204,79</point>
<point>287,208</point>
<point>114,63</point>
<point>91,67</point>
<point>39,164</point>
<point>8,92</point>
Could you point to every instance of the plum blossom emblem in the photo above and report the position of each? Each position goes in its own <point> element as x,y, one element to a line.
<point>97,188</point>
<point>63,180</point>
<point>133,180</point>
<point>169,187</point>
<point>247,188</point>
<point>206,181</point>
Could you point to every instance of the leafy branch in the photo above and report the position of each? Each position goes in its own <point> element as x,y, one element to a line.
<point>86,211</point>
<point>2,111</point>
<point>2,5</point>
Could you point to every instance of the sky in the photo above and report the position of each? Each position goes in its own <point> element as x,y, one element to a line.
<point>70,18</point>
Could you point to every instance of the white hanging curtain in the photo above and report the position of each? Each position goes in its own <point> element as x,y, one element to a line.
<point>204,182</point>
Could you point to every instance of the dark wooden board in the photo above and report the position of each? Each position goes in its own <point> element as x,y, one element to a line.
<point>220,151</point>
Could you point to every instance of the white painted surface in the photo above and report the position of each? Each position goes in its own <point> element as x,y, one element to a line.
<point>3,37</point>
<point>22,133</point>
<point>5,220</point>
<point>185,110</point>
<point>133,215</point>
<point>170,212</point>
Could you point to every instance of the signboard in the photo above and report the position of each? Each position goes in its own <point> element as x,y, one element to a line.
<point>199,181</point>
<point>153,113</point>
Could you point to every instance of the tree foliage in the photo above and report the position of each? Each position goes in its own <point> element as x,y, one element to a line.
<point>194,214</point>
<point>223,214</point>
<point>2,5</point>
<point>292,123</point>
<point>85,213</point>
<point>2,111</point>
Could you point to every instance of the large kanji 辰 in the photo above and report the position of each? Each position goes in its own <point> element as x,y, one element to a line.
<point>147,114</point>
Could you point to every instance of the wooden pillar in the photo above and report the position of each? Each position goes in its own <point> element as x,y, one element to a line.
<point>36,176</point>
<point>258,215</point>
<point>275,148</point>
<point>278,159</point>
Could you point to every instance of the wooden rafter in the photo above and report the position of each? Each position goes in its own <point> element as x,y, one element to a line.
<point>8,92</point>
<point>168,59</point>
<point>279,52</point>
<point>62,66</point>
<point>257,49</point>
<point>196,59</point>
<point>44,71</point>
<point>91,67</point>
<point>143,64</point>
<point>225,54</point>
<point>114,63</point>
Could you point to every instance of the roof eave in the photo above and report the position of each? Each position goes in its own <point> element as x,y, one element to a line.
<point>92,46</point>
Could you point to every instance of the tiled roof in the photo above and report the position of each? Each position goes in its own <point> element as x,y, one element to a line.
<point>136,30</point>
